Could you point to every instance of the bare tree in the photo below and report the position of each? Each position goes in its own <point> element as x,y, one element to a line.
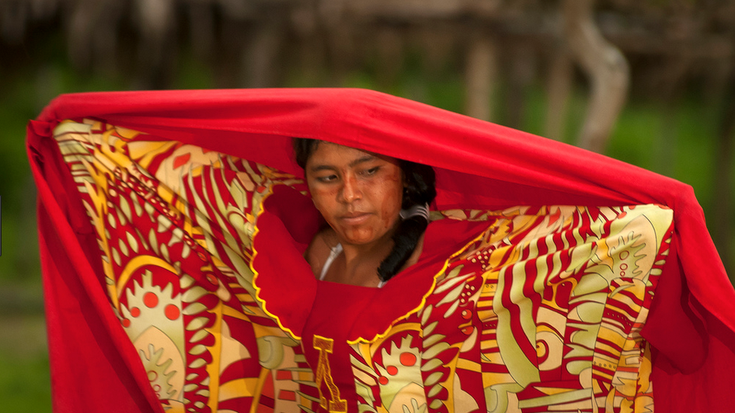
<point>480,76</point>
<point>604,65</point>
<point>558,89</point>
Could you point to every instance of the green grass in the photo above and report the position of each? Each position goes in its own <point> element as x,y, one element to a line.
<point>24,384</point>
<point>24,366</point>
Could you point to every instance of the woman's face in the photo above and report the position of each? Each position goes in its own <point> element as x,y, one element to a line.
<point>357,192</point>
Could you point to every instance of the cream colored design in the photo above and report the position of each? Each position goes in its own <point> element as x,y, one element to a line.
<point>578,307</point>
<point>605,266</point>
<point>110,167</point>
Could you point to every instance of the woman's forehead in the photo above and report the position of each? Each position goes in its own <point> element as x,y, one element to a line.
<point>334,152</point>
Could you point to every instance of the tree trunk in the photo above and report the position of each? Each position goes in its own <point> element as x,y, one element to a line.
<point>521,77</point>
<point>156,51</point>
<point>604,65</point>
<point>437,40</point>
<point>341,50</point>
<point>480,74</point>
<point>390,49</point>
<point>201,30</point>
<point>559,89</point>
<point>261,55</point>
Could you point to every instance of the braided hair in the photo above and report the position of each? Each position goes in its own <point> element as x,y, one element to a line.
<point>419,190</point>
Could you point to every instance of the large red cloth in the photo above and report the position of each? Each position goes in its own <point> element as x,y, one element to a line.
<point>479,165</point>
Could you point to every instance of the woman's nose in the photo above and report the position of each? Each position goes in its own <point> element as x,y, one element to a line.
<point>351,190</point>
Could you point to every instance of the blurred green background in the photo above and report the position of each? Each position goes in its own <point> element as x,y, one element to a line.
<point>677,119</point>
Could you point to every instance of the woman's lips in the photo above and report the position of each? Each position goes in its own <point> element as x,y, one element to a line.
<point>355,218</point>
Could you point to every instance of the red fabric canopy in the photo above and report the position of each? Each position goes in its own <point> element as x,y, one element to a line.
<point>479,165</point>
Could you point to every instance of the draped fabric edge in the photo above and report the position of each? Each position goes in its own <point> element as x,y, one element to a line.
<point>108,333</point>
<point>331,114</point>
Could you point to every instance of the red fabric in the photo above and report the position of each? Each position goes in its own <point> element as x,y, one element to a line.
<point>479,165</point>
<point>93,366</point>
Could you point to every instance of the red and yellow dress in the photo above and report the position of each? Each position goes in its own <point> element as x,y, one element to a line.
<point>192,256</point>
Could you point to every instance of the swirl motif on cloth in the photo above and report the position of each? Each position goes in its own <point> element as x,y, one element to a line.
<point>537,309</point>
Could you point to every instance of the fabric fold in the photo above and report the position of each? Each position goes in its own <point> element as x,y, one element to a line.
<point>480,167</point>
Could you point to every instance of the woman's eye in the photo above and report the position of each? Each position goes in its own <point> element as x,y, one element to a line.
<point>326,178</point>
<point>371,171</point>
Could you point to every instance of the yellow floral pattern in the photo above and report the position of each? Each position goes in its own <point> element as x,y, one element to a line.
<point>542,311</point>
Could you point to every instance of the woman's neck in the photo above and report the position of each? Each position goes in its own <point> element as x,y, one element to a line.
<point>361,262</point>
<point>358,263</point>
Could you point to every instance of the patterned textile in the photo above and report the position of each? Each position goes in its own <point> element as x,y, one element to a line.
<point>539,309</point>
<point>171,246</point>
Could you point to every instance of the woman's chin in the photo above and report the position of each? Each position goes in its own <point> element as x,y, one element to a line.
<point>364,234</point>
<point>358,237</point>
<point>356,240</point>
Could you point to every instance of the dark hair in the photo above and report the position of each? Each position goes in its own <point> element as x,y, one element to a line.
<point>420,189</point>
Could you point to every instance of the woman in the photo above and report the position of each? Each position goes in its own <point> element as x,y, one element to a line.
<point>438,336</point>
<point>361,195</point>
<point>174,225</point>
